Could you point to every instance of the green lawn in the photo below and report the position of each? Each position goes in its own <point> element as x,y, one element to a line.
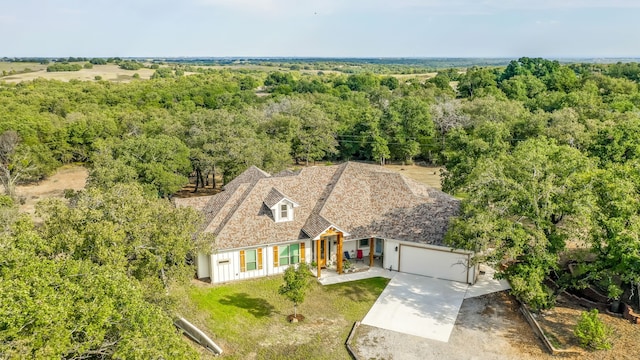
<point>248,318</point>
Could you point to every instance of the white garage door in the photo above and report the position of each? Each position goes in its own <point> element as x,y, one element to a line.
<point>435,263</point>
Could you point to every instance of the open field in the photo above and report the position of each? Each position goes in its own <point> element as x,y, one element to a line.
<point>109,72</point>
<point>248,318</point>
<point>424,76</point>
<point>424,174</point>
<point>67,177</point>
<point>21,66</point>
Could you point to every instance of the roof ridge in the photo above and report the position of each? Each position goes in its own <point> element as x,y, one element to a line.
<point>334,180</point>
<point>246,193</point>
<point>246,177</point>
<point>317,209</point>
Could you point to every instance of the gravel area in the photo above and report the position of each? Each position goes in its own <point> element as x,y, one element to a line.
<point>487,327</point>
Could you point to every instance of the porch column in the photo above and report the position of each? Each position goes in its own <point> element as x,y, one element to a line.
<point>371,251</point>
<point>318,257</point>
<point>339,254</point>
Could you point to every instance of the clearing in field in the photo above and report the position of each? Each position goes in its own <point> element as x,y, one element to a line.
<point>67,177</point>
<point>424,174</point>
<point>109,72</point>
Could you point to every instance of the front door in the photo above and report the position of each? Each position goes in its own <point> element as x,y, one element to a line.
<point>322,256</point>
<point>379,246</point>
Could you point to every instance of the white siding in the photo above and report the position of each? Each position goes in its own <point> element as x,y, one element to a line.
<point>203,266</point>
<point>390,257</point>
<point>350,246</point>
<point>438,262</point>
<point>225,265</point>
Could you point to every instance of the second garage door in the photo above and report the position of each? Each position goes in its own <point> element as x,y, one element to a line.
<point>435,263</point>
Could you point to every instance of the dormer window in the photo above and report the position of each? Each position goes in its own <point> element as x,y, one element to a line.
<point>283,211</point>
<point>282,207</point>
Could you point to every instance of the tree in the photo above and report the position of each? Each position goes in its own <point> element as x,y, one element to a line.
<point>162,162</point>
<point>407,121</point>
<point>615,239</point>
<point>296,283</point>
<point>315,135</point>
<point>11,169</point>
<point>475,79</point>
<point>67,307</point>
<point>522,208</point>
<point>19,162</point>
<point>446,116</point>
<point>144,237</point>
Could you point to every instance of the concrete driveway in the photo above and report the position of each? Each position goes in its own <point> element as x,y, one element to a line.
<point>419,306</point>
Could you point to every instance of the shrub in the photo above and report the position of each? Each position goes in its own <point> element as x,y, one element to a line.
<point>98,77</point>
<point>131,65</point>
<point>592,332</point>
<point>64,67</point>
<point>98,61</point>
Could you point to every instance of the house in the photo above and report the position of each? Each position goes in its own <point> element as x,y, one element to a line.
<point>263,223</point>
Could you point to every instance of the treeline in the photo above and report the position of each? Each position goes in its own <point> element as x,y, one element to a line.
<point>546,156</point>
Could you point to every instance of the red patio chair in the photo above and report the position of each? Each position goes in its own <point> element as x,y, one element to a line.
<point>359,256</point>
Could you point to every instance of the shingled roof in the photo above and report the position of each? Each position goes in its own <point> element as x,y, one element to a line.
<point>360,199</point>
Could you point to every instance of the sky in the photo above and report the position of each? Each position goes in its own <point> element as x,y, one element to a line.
<point>320,28</point>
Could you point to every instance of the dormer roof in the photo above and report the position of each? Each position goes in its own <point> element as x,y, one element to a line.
<point>275,196</point>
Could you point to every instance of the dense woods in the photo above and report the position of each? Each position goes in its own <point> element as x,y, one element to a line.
<point>545,155</point>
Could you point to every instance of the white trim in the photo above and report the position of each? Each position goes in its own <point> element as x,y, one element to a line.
<point>344,233</point>
<point>276,210</point>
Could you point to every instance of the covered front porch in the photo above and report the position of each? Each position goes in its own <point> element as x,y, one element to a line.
<point>333,255</point>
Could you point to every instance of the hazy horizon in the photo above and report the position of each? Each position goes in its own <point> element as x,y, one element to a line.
<point>321,28</point>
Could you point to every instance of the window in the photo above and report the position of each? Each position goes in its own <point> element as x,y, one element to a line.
<point>364,242</point>
<point>251,260</point>
<point>289,254</point>
<point>284,211</point>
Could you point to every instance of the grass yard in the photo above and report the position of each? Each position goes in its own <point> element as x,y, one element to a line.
<point>424,174</point>
<point>248,319</point>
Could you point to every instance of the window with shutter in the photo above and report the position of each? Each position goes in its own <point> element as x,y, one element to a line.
<point>259,258</point>
<point>302,252</point>
<point>290,254</point>
<point>249,260</point>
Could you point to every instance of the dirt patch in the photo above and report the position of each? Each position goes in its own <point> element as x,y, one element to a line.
<point>559,322</point>
<point>68,177</point>
<point>488,327</point>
